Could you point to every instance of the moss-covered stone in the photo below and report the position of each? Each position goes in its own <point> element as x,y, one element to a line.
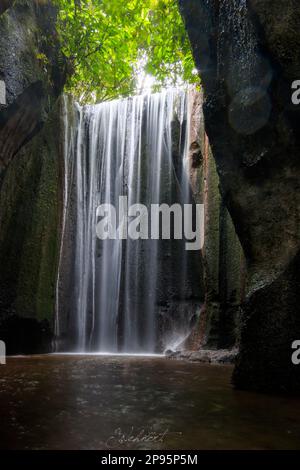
<point>30,50</point>
<point>222,253</point>
<point>32,67</point>
<point>224,261</point>
<point>29,229</point>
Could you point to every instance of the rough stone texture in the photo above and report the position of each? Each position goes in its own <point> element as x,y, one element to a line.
<point>248,54</point>
<point>32,68</point>
<point>222,255</point>
<point>19,123</point>
<point>5,4</point>
<point>30,211</point>
<point>211,356</point>
<point>2,92</point>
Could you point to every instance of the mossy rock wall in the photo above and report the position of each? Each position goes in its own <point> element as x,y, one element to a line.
<point>30,49</point>
<point>224,265</point>
<point>30,210</point>
<point>33,70</point>
<point>222,254</point>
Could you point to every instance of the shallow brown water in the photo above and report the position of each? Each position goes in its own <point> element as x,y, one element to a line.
<point>94,402</point>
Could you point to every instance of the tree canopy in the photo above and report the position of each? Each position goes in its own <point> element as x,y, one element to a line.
<point>116,47</point>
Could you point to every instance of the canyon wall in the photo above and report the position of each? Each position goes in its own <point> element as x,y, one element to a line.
<point>247,54</point>
<point>32,71</point>
<point>223,259</point>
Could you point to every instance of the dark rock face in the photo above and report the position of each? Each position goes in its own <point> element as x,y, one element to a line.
<point>26,335</point>
<point>30,170</point>
<point>211,356</point>
<point>22,119</point>
<point>30,212</point>
<point>33,70</point>
<point>5,4</point>
<point>223,260</point>
<point>248,54</point>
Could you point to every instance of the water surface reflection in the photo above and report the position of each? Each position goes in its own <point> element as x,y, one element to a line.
<point>94,402</point>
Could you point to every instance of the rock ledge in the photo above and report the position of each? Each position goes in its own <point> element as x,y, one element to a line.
<point>211,356</point>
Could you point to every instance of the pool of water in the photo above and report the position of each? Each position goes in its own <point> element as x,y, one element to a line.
<point>94,402</point>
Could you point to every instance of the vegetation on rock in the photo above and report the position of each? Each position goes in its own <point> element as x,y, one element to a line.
<point>117,48</point>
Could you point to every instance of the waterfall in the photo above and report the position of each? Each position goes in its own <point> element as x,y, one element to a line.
<point>118,289</point>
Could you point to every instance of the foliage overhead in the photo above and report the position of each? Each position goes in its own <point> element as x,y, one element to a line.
<point>117,47</point>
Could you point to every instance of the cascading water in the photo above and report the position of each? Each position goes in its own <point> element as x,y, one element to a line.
<point>118,289</point>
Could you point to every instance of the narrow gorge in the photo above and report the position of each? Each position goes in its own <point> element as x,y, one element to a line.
<point>221,153</point>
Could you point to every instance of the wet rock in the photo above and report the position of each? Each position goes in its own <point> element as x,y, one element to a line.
<point>220,356</point>
<point>5,4</point>
<point>30,211</point>
<point>26,335</point>
<point>33,71</point>
<point>172,354</point>
<point>200,356</point>
<point>247,54</point>
<point>32,68</point>
<point>223,260</point>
